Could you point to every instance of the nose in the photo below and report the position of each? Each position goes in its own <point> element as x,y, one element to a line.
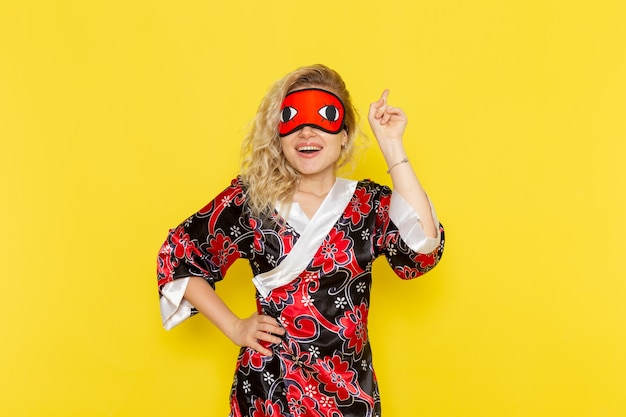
<point>307,132</point>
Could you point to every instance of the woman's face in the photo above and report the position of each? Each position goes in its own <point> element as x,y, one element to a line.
<point>312,130</point>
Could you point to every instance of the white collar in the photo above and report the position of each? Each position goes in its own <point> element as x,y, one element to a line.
<point>312,233</point>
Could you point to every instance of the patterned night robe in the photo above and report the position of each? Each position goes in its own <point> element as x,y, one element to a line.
<point>320,295</point>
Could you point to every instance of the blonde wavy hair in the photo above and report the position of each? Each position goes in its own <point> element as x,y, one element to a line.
<point>265,172</point>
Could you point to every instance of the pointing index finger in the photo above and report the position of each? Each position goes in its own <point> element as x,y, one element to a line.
<point>384,96</point>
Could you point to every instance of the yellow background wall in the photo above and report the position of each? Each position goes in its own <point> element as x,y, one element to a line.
<point>120,118</point>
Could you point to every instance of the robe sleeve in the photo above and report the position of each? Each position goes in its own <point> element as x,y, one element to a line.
<point>205,245</point>
<point>402,240</point>
<point>409,226</point>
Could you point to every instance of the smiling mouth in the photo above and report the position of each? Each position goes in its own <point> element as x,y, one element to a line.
<point>308,149</point>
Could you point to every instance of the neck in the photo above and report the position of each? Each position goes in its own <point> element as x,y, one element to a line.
<point>316,186</point>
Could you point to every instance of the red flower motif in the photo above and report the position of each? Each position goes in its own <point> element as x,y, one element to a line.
<point>177,247</point>
<point>283,294</point>
<point>337,377</point>
<point>354,327</point>
<point>301,404</point>
<point>266,409</point>
<point>183,247</point>
<point>252,359</point>
<point>406,272</point>
<point>334,252</point>
<point>359,205</point>
<point>426,260</point>
<point>383,210</point>
<point>223,251</point>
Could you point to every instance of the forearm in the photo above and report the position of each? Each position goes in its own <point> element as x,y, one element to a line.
<point>250,332</point>
<point>406,183</point>
<point>388,124</point>
<point>204,298</point>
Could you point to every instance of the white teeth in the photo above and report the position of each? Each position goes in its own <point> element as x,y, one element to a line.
<point>308,148</point>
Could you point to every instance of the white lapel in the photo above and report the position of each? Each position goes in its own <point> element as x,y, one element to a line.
<point>310,239</point>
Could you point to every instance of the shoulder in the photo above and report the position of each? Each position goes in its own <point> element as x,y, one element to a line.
<point>233,195</point>
<point>236,189</point>
<point>371,187</point>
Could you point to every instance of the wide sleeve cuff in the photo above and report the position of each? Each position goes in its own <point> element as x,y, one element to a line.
<point>408,222</point>
<point>174,308</point>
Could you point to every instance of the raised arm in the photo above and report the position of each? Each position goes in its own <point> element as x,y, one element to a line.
<point>388,124</point>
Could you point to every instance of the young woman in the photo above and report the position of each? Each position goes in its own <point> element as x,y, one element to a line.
<point>310,238</point>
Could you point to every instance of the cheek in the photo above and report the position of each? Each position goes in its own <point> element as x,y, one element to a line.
<point>284,145</point>
<point>287,151</point>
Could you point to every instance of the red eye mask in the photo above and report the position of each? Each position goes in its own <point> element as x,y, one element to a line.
<point>311,107</point>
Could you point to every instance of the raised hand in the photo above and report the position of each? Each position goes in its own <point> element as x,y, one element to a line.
<point>387,122</point>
